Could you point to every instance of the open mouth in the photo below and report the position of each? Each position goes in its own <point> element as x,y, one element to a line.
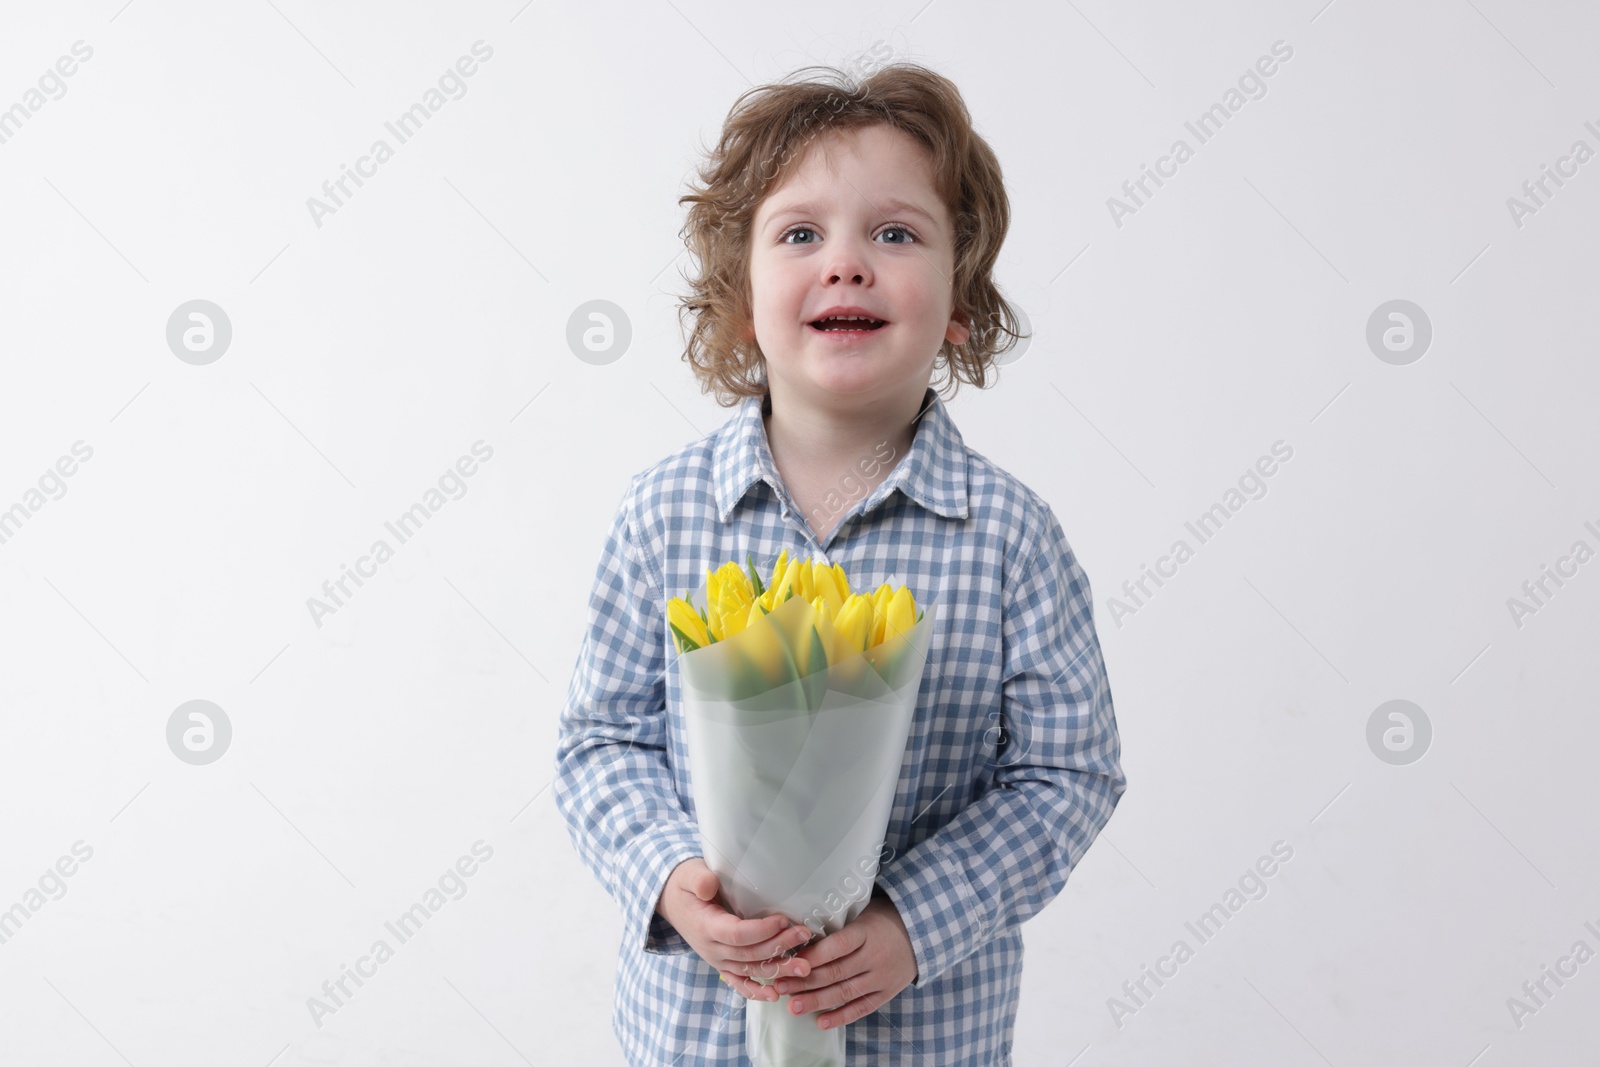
<point>847,323</point>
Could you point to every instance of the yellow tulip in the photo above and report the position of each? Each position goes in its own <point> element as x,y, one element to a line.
<point>902,614</point>
<point>713,623</point>
<point>803,586</point>
<point>731,621</point>
<point>790,580</point>
<point>728,597</point>
<point>688,624</point>
<point>853,624</point>
<point>778,569</point>
<point>825,585</point>
<point>727,579</point>
<point>880,613</point>
<point>827,640</point>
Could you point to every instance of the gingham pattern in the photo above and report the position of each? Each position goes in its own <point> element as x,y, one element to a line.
<point>1012,767</point>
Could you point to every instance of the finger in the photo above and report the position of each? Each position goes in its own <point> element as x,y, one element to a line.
<point>827,998</point>
<point>746,933</point>
<point>835,946</point>
<point>815,977</point>
<point>748,988</point>
<point>763,970</point>
<point>698,876</point>
<point>774,968</point>
<point>849,1013</point>
<point>785,945</point>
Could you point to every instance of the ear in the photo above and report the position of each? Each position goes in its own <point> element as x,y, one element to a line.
<point>957,332</point>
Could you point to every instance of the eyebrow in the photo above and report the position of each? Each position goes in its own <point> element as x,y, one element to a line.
<point>890,206</point>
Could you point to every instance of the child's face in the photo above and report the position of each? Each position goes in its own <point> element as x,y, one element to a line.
<point>856,224</point>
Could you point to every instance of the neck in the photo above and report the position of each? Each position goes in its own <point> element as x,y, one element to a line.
<point>818,450</point>
<point>832,442</point>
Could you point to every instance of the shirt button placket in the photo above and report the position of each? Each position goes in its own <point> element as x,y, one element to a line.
<point>805,528</point>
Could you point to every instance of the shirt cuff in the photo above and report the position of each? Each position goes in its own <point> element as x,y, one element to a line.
<point>943,915</point>
<point>645,866</point>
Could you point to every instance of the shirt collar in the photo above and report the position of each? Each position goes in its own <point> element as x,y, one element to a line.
<point>933,473</point>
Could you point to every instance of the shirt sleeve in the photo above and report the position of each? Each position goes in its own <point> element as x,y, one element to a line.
<point>1058,776</point>
<point>613,784</point>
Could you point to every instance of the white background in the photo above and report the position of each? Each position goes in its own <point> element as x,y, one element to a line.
<point>430,312</point>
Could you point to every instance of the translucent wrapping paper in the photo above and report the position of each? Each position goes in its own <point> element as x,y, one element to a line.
<point>793,777</point>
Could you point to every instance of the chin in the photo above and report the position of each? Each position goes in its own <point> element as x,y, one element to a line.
<point>842,386</point>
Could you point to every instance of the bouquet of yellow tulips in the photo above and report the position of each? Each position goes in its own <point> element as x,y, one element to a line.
<point>845,622</point>
<point>798,697</point>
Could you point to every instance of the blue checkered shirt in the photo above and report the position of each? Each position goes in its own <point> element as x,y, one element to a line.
<point>1012,767</point>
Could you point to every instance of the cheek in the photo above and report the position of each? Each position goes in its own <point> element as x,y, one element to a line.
<point>760,298</point>
<point>937,305</point>
<point>776,295</point>
<point>765,308</point>
<point>934,282</point>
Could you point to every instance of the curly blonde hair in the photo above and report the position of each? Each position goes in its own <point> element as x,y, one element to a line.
<point>763,140</point>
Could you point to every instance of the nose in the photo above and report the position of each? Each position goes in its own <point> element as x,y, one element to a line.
<point>846,262</point>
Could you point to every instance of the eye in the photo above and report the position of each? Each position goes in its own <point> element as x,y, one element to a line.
<point>783,238</point>
<point>907,236</point>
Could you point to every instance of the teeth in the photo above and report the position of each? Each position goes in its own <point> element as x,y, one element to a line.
<point>827,323</point>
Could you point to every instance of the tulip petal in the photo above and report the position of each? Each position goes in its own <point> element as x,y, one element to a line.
<point>901,614</point>
<point>685,642</point>
<point>826,585</point>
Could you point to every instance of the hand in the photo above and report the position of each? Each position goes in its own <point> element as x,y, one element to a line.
<point>733,946</point>
<point>853,972</point>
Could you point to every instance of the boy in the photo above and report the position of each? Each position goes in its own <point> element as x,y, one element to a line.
<point>845,237</point>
